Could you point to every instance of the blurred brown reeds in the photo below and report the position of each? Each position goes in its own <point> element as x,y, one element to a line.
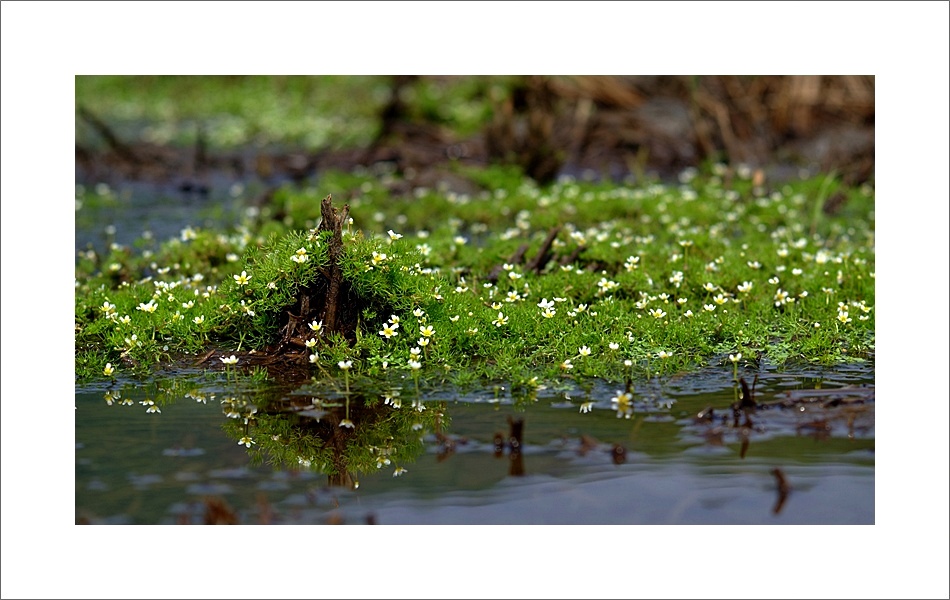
<point>670,122</point>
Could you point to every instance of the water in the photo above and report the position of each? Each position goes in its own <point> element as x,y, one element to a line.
<point>661,466</point>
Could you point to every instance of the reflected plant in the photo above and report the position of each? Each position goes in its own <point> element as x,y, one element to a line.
<point>342,440</point>
<point>734,359</point>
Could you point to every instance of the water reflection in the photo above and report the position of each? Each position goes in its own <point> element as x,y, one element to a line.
<point>150,446</point>
<point>341,436</point>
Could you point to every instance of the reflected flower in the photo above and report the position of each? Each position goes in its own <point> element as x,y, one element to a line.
<point>586,407</point>
<point>392,399</point>
<point>622,403</point>
<point>399,471</point>
<point>152,407</point>
<point>347,423</point>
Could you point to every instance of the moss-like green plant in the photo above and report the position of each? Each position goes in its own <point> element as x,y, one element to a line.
<point>521,283</point>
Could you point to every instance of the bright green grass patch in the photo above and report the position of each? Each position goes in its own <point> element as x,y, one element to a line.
<point>640,279</point>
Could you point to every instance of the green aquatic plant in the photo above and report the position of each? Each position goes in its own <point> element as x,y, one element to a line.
<point>575,280</point>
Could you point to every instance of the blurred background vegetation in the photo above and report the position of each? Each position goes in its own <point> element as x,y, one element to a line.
<point>290,127</point>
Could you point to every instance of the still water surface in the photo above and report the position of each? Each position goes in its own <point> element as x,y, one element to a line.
<point>660,466</point>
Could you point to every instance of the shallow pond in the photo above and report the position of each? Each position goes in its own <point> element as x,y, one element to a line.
<point>556,455</point>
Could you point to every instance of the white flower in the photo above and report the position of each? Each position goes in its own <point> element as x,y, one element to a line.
<point>243,278</point>
<point>586,407</point>
<point>246,441</point>
<point>583,351</point>
<point>345,364</point>
<point>108,370</point>
<point>230,360</point>
<point>393,235</point>
<point>300,256</point>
